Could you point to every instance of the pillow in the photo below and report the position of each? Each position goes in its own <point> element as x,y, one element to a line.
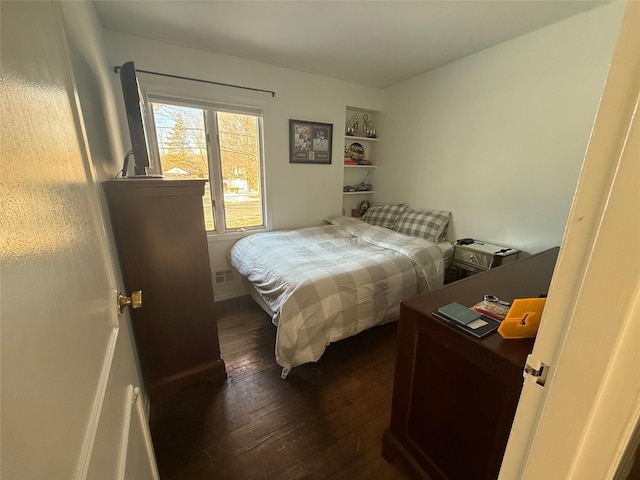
<point>383,215</point>
<point>427,224</point>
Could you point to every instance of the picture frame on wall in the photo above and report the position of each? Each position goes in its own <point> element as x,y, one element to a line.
<point>310,142</point>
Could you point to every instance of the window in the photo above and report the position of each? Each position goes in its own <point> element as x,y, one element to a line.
<point>217,144</point>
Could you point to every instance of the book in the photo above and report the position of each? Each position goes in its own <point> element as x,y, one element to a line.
<point>471,322</point>
<point>458,313</point>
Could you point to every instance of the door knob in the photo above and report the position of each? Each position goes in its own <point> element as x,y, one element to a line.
<point>135,300</point>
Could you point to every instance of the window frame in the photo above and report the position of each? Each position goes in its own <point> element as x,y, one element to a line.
<point>215,183</point>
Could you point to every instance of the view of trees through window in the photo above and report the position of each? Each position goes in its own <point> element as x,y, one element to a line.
<point>232,171</point>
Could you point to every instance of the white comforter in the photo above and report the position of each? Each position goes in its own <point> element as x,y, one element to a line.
<point>333,281</point>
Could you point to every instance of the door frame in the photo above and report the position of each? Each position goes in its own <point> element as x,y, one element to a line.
<point>579,424</point>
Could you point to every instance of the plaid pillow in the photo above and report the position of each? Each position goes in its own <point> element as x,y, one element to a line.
<point>383,215</point>
<point>430,225</point>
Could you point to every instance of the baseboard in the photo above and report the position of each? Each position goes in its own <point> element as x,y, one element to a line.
<point>169,385</point>
<point>229,290</point>
<point>228,295</point>
<point>394,453</point>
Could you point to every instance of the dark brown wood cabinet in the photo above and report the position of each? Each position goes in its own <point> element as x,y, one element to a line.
<point>158,226</point>
<point>455,395</point>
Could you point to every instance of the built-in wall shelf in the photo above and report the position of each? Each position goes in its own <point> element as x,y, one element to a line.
<point>360,143</point>
<point>364,139</point>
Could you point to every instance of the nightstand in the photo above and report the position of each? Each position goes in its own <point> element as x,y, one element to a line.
<point>480,256</point>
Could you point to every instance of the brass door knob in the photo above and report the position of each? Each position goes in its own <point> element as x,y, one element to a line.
<point>135,300</point>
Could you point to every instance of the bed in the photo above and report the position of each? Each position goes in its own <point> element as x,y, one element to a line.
<point>326,283</point>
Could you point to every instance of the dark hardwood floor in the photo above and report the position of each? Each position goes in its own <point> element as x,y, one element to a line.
<point>324,421</point>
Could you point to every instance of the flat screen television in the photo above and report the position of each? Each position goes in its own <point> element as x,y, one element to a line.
<point>134,106</point>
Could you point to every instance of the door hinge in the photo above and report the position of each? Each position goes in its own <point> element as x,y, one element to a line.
<point>535,370</point>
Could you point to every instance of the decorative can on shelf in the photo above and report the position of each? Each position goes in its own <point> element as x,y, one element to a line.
<point>355,152</point>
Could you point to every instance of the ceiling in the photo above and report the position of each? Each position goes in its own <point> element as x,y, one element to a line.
<point>374,43</point>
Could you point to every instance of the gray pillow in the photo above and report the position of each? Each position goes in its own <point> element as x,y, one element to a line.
<point>431,225</point>
<point>383,215</point>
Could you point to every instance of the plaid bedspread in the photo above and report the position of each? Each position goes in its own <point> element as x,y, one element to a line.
<point>333,281</point>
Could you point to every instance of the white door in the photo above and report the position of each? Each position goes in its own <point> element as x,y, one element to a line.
<point>69,399</point>
<point>579,423</point>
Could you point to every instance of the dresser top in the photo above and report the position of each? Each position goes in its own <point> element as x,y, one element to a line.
<point>526,278</point>
<point>487,248</point>
<point>151,187</point>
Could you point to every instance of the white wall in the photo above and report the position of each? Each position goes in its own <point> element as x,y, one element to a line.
<point>299,195</point>
<point>91,72</point>
<point>514,118</point>
<point>67,356</point>
<point>93,79</point>
<point>499,137</point>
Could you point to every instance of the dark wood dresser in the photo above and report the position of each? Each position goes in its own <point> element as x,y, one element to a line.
<point>454,395</point>
<point>158,226</point>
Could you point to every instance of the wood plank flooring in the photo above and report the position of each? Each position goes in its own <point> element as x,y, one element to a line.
<point>324,421</point>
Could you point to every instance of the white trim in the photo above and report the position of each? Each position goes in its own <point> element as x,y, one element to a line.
<point>213,236</point>
<point>616,409</point>
<point>177,89</point>
<point>214,162</point>
<point>199,103</point>
<point>96,410</point>
<point>129,399</point>
<point>576,426</point>
<point>151,457</point>
<point>133,398</point>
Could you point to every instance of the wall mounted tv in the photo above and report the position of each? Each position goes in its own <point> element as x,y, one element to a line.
<point>134,106</point>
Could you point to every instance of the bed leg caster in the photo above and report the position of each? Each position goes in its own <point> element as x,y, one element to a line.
<point>285,372</point>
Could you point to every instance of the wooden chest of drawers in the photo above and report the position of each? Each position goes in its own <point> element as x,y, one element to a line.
<point>454,395</point>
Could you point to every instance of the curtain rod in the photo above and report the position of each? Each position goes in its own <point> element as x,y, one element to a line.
<point>273,94</point>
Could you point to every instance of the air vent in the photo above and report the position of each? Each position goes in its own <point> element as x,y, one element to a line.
<point>223,276</point>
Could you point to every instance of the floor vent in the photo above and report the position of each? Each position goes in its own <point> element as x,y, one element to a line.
<point>223,276</point>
